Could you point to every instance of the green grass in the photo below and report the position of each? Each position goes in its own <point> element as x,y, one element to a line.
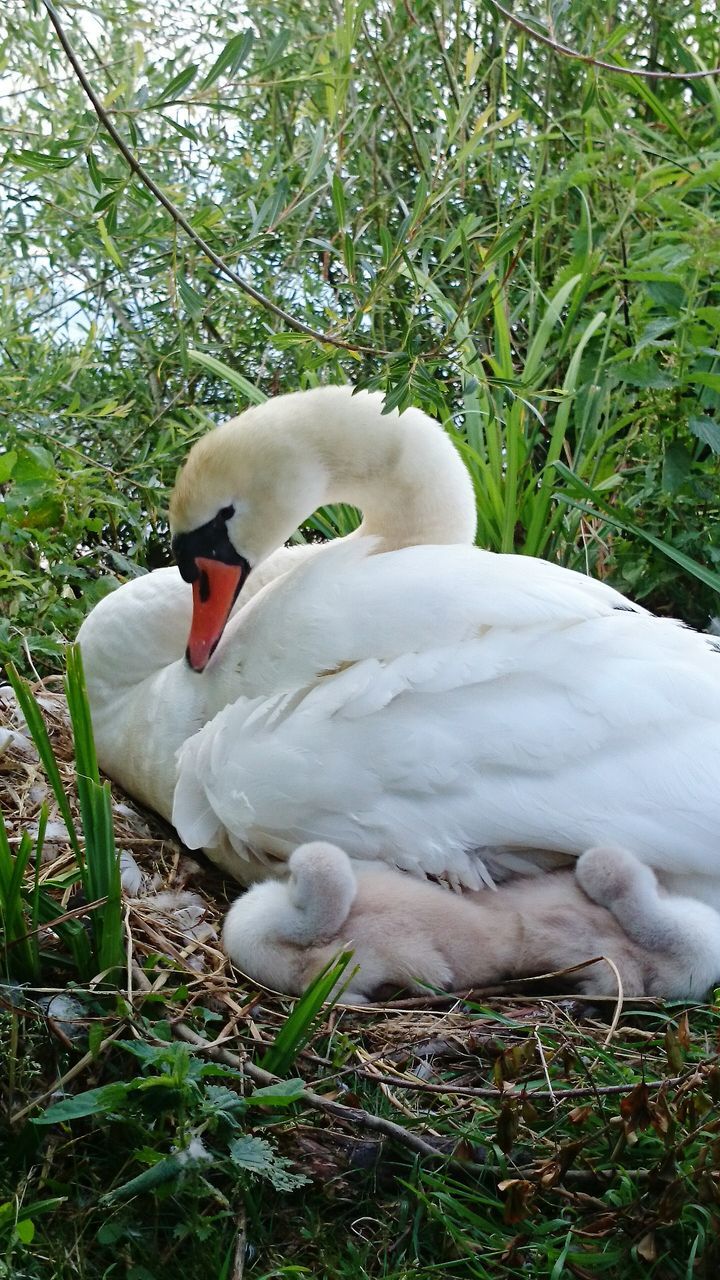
<point>159,1154</point>
<point>23,909</point>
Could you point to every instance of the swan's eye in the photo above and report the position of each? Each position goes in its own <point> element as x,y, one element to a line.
<point>226,513</point>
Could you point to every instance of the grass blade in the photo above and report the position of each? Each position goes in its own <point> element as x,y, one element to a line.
<point>39,734</point>
<point>298,1027</point>
<point>101,868</point>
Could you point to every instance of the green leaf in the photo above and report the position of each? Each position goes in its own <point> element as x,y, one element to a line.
<point>193,302</point>
<point>707,430</point>
<point>7,463</point>
<point>178,83</point>
<point>297,1028</point>
<point>702,379</point>
<point>25,1231</point>
<point>642,373</point>
<point>107,1098</point>
<point>237,381</point>
<point>94,171</point>
<point>317,154</point>
<point>35,465</point>
<point>338,199</point>
<point>39,735</point>
<point>282,1094</point>
<point>255,1155</point>
<point>676,467</point>
<point>108,243</point>
<point>41,161</point>
<point>550,319</point>
<point>12,1212</point>
<point>232,57</point>
<point>221,1100</point>
<point>163,1171</point>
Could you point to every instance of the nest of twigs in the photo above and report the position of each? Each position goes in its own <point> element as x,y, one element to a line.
<point>535,1099</point>
<point>173,905</point>
<point>421,1052</point>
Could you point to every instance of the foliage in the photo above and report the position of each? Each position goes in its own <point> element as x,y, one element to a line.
<point>178,1084</point>
<point>528,246</point>
<point>25,912</point>
<point>296,1031</point>
<point>157,1150</point>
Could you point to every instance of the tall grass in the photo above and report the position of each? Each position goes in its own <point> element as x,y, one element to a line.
<point>25,909</point>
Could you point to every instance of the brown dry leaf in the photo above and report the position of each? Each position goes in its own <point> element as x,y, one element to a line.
<point>464,1150</point>
<point>636,1109</point>
<point>647,1248</point>
<point>606,1224</point>
<point>579,1115</point>
<point>513,1061</point>
<point>519,1199</point>
<point>507,1126</point>
<point>674,1050</point>
<point>683,1030</point>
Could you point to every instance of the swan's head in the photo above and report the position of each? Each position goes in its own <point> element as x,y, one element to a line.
<point>243,490</point>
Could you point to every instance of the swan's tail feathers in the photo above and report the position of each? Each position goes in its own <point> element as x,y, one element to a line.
<point>683,930</point>
<point>321,891</point>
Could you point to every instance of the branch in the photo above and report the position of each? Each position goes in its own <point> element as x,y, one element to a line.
<point>409,127</point>
<point>514,1090</point>
<point>178,216</point>
<point>567,52</point>
<point>355,1117</point>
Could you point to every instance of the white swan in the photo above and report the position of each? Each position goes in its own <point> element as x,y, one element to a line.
<point>436,707</point>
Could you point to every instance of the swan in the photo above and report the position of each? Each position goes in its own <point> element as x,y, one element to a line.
<point>417,700</point>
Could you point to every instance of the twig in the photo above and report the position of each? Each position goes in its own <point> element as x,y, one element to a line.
<point>176,214</point>
<point>452,82</point>
<point>409,127</point>
<point>618,1006</point>
<point>466,1091</point>
<point>546,1073</point>
<point>587,58</point>
<point>355,1117</point>
<point>238,1269</point>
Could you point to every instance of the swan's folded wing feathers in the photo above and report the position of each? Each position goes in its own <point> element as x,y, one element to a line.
<point>509,741</point>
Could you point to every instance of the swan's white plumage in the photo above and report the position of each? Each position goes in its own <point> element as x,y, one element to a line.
<point>549,730</point>
<point>437,707</point>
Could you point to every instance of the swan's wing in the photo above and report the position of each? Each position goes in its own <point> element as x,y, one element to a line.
<point>550,738</point>
<point>346,604</point>
<point>135,630</point>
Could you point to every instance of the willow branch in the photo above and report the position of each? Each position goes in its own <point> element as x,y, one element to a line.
<point>409,127</point>
<point>587,58</point>
<point>178,216</point>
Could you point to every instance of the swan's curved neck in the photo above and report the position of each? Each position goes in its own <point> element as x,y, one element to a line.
<point>401,470</point>
<point>281,460</point>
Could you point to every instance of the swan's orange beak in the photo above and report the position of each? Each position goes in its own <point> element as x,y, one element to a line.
<point>215,591</point>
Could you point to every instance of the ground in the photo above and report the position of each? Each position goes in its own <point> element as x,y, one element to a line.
<point>189,1118</point>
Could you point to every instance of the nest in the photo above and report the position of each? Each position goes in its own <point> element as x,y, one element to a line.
<point>174,905</point>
